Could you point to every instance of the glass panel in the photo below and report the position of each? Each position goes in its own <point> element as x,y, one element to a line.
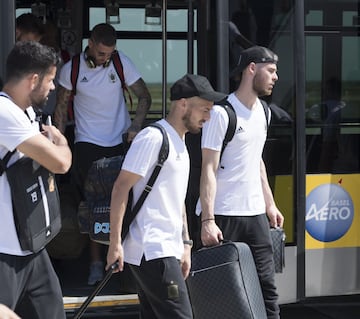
<point>20,11</point>
<point>134,20</point>
<point>314,18</point>
<point>332,97</point>
<point>350,18</point>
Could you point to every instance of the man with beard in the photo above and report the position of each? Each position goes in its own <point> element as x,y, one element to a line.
<point>26,277</point>
<point>101,113</point>
<point>157,247</point>
<point>236,202</point>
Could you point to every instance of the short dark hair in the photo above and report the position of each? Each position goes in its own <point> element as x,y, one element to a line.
<point>28,57</point>
<point>28,22</point>
<point>104,33</point>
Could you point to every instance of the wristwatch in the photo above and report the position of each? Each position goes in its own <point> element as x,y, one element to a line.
<point>188,242</point>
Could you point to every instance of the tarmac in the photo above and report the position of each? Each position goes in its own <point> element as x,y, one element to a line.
<point>74,277</point>
<point>339,307</point>
<point>335,307</point>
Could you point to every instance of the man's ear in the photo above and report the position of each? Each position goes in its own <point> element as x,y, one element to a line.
<point>184,103</point>
<point>33,80</point>
<point>252,67</point>
<point>17,34</point>
<point>90,43</point>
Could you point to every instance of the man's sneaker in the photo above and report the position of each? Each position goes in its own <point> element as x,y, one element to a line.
<point>96,272</point>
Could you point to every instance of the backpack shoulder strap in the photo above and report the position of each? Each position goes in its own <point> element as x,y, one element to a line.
<point>163,155</point>
<point>120,72</point>
<point>164,150</point>
<point>266,111</point>
<point>230,132</point>
<point>5,161</point>
<point>119,68</point>
<point>75,65</point>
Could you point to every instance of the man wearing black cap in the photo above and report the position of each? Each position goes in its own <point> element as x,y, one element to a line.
<point>236,202</point>
<point>158,237</point>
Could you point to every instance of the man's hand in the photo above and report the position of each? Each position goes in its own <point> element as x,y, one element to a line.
<point>210,233</point>
<point>115,254</point>
<point>7,313</point>
<point>276,219</point>
<point>186,261</point>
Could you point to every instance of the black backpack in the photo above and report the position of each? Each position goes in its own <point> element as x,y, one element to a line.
<point>193,143</point>
<point>94,219</point>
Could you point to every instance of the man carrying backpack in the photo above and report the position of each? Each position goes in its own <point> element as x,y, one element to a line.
<point>236,202</point>
<point>157,247</point>
<point>97,80</point>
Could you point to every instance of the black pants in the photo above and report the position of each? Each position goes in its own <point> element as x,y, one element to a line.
<point>255,231</point>
<point>30,286</point>
<point>161,289</point>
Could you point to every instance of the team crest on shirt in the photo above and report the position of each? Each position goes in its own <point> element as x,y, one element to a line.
<point>112,76</point>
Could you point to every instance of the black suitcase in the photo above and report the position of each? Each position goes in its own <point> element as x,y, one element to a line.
<point>223,283</point>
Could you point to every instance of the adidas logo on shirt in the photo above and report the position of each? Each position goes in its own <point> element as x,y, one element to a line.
<point>240,130</point>
<point>84,79</point>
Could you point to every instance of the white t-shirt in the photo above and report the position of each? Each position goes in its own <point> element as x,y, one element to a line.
<point>156,231</point>
<point>15,128</point>
<point>101,115</point>
<point>239,191</point>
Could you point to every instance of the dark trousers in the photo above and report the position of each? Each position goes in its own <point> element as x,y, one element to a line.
<point>255,231</point>
<point>161,289</point>
<point>30,286</point>
<point>84,155</point>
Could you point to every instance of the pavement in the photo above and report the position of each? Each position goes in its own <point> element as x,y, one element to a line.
<point>335,307</point>
<point>339,307</point>
<point>74,275</point>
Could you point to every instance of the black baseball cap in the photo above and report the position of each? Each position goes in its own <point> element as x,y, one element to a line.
<point>256,54</point>
<point>191,85</point>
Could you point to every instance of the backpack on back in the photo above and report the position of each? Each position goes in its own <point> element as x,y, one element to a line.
<point>193,143</point>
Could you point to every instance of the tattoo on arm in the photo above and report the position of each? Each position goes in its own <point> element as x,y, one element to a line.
<point>60,114</point>
<point>185,231</point>
<point>144,102</point>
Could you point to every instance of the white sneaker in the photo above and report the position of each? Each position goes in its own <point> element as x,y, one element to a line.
<point>96,273</point>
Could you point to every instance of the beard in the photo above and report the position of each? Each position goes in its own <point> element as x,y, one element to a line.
<point>258,87</point>
<point>38,98</point>
<point>190,126</point>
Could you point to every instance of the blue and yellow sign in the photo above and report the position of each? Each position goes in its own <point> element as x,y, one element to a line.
<point>332,204</point>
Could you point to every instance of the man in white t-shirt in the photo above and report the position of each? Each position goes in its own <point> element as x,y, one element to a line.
<point>27,277</point>
<point>157,247</point>
<point>236,202</point>
<point>100,112</point>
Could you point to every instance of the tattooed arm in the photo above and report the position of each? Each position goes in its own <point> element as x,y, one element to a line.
<point>144,101</point>
<point>60,115</point>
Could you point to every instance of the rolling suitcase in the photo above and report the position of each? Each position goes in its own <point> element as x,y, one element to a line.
<point>79,312</point>
<point>223,283</point>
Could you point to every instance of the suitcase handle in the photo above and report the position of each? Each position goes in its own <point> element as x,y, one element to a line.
<point>100,286</point>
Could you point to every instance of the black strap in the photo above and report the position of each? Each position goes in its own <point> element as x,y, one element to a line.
<point>266,110</point>
<point>230,132</point>
<point>163,155</point>
<point>5,161</point>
